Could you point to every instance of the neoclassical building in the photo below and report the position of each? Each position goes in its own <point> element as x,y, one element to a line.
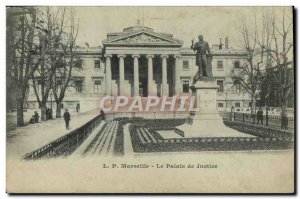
<point>141,61</point>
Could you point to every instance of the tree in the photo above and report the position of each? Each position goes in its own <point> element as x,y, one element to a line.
<point>21,54</point>
<point>268,82</point>
<point>280,53</point>
<point>269,49</point>
<point>51,26</point>
<point>63,73</point>
<point>10,58</point>
<point>248,75</point>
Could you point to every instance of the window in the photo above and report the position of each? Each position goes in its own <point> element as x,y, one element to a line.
<point>185,86</point>
<point>97,63</point>
<point>31,105</point>
<point>185,65</point>
<point>78,86</point>
<point>97,86</point>
<point>70,104</point>
<point>220,105</point>
<point>220,65</point>
<point>237,105</point>
<point>60,64</point>
<point>220,85</point>
<point>39,86</point>
<point>78,63</point>
<point>58,85</point>
<point>56,43</point>
<point>237,86</point>
<point>237,64</point>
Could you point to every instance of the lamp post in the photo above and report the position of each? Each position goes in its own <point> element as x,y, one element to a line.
<point>266,104</point>
<point>50,114</point>
<point>267,110</point>
<point>257,97</point>
<point>243,99</point>
<point>226,101</point>
<point>51,94</point>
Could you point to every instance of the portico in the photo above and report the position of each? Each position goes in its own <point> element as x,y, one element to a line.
<point>142,62</point>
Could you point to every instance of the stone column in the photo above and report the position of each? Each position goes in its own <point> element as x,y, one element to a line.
<point>150,74</point>
<point>121,74</point>
<point>108,75</point>
<point>177,74</point>
<point>136,75</point>
<point>164,75</point>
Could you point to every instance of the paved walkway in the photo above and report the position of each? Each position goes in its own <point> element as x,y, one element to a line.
<point>97,144</point>
<point>103,142</point>
<point>79,152</point>
<point>100,143</point>
<point>28,138</point>
<point>271,125</point>
<point>128,149</point>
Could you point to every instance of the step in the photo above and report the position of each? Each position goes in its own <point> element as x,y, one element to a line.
<point>108,139</point>
<point>97,143</point>
<point>150,136</point>
<point>80,150</point>
<point>104,137</point>
<point>111,145</point>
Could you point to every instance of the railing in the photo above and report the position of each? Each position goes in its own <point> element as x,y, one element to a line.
<point>141,144</point>
<point>270,121</point>
<point>147,115</point>
<point>67,144</point>
<point>260,131</point>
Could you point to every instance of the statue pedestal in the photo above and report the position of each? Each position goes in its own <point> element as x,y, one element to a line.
<point>206,96</point>
<point>207,122</point>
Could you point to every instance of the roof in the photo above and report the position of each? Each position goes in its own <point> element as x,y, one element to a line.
<point>218,52</point>
<point>88,50</point>
<point>140,35</point>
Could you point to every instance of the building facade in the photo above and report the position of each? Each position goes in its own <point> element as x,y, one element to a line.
<point>270,88</point>
<point>140,61</point>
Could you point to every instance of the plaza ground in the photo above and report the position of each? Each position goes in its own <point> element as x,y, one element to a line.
<point>22,140</point>
<point>25,139</point>
<point>238,171</point>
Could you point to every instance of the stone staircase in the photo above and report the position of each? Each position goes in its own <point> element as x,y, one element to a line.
<point>147,135</point>
<point>103,142</point>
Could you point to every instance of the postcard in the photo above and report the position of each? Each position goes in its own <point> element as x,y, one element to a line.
<point>150,100</point>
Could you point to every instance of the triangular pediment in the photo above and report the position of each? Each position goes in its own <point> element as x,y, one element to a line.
<point>143,38</point>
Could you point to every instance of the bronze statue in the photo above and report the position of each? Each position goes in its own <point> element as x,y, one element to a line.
<point>203,58</point>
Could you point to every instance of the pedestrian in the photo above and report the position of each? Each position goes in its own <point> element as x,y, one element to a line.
<point>102,114</point>
<point>232,113</point>
<point>67,118</point>
<point>50,114</point>
<point>284,122</point>
<point>259,116</point>
<point>47,113</point>
<point>36,117</point>
<point>77,108</point>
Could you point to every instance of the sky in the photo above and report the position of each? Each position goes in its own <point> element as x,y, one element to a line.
<point>185,23</point>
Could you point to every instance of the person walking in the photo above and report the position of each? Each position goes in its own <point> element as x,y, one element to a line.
<point>232,113</point>
<point>50,114</point>
<point>77,108</point>
<point>259,116</point>
<point>102,114</point>
<point>47,113</point>
<point>67,118</point>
